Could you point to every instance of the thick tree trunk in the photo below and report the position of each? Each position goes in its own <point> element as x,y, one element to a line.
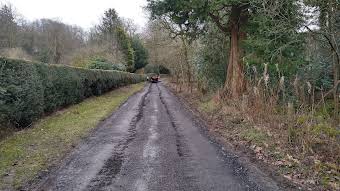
<point>235,83</point>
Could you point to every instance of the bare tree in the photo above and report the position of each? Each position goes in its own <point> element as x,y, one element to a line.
<point>8,27</point>
<point>167,51</point>
<point>129,26</point>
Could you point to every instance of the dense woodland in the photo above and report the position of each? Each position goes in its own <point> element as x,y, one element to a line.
<point>277,61</point>
<point>289,48</point>
<point>283,50</point>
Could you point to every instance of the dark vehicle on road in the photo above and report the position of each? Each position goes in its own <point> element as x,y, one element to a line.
<point>154,79</point>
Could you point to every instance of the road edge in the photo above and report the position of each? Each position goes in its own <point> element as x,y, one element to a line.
<point>263,179</point>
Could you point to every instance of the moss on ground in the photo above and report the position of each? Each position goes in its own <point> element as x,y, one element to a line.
<point>28,152</point>
<point>209,106</point>
<point>254,135</point>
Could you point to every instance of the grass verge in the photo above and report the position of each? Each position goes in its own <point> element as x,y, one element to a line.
<point>28,152</point>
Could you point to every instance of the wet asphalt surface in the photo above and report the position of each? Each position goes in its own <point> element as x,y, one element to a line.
<point>151,143</point>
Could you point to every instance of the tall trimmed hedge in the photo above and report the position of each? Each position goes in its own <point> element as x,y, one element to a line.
<point>28,90</point>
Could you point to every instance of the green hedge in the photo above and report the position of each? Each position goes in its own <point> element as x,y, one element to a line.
<point>105,65</point>
<point>29,90</point>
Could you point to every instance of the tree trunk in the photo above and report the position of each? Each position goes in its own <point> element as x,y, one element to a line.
<point>335,92</point>
<point>235,83</point>
<point>187,62</point>
<point>189,76</point>
<point>333,30</point>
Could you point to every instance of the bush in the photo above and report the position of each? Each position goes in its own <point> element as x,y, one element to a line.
<point>209,62</point>
<point>102,64</point>
<point>124,43</point>
<point>119,67</point>
<point>141,53</point>
<point>157,69</point>
<point>28,90</point>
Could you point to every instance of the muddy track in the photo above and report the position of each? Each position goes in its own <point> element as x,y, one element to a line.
<point>179,143</point>
<point>151,143</point>
<point>113,165</point>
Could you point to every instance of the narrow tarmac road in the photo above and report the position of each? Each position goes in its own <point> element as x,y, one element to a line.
<point>152,143</point>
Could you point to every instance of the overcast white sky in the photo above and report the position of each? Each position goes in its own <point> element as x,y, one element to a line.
<point>84,13</point>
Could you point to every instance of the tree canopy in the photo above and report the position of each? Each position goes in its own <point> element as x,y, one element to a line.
<point>243,21</point>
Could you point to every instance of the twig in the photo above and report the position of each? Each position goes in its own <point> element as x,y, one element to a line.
<point>330,91</point>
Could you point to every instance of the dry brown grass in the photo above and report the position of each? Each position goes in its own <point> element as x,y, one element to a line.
<point>81,57</point>
<point>16,53</point>
<point>303,131</point>
<point>299,139</point>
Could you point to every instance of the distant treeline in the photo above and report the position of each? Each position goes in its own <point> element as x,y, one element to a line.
<point>114,40</point>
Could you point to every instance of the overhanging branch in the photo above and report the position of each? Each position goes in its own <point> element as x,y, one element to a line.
<point>334,49</point>
<point>218,22</point>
